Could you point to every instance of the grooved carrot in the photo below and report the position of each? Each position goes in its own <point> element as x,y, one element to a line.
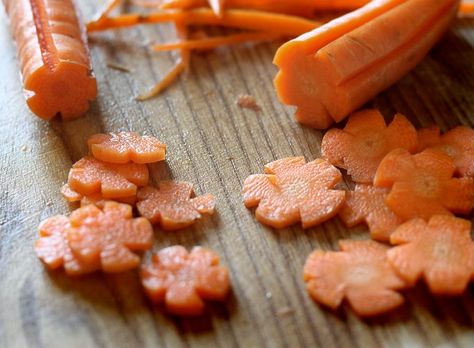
<point>54,58</point>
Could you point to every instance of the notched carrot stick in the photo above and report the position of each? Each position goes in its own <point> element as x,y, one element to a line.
<point>365,141</point>
<point>358,273</point>
<point>331,71</point>
<point>367,204</point>
<point>54,58</point>
<point>184,280</point>
<point>293,190</point>
<point>171,204</point>
<point>440,251</point>
<point>423,185</point>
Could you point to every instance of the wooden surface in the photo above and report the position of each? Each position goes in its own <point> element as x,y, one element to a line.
<point>215,145</point>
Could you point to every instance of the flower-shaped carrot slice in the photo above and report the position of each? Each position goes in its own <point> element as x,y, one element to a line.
<point>53,249</point>
<point>367,204</point>
<point>108,236</point>
<point>428,137</point>
<point>183,280</point>
<point>95,198</point>
<point>69,194</point>
<point>293,190</point>
<point>89,176</point>
<point>172,206</point>
<point>422,185</point>
<point>365,141</point>
<point>126,147</point>
<point>360,274</point>
<point>441,251</point>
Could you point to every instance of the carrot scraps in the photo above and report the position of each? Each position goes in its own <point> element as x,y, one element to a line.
<point>367,204</point>
<point>428,137</point>
<point>126,147</point>
<point>365,141</point>
<point>248,102</point>
<point>359,273</point>
<point>293,190</point>
<point>89,175</point>
<point>107,237</point>
<point>422,185</point>
<point>441,251</point>
<point>171,204</point>
<point>184,280</point>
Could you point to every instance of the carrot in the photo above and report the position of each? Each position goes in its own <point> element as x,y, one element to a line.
<point>171,204</point>
<point>54,58</point>
<point>428,137</point>
<point>319,75</point>
<point>466,9</point>
<point>183,280</point>
<point>365,141</point>
<point>367,204</point>
<point>440,251</point>
<point>89,176</point>
<point>69,194</point>
<point>106,238</point>
<point>293,190</point>
<point>422,185</point>
<point>359,273</point>
<point>124,147</point>
<point>96,198</point>
<point>109,7</point>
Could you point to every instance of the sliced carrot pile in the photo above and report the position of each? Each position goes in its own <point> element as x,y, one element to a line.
<point>106,238</point>
<point>367,204</point>
<point>171,204</point>
<point>182,280</point>
<point>360,273</point>
<point>124,147</point>
<point>89,176</point>
<point>293,190</point>
<point>365,141</point>
<point>440,251</point>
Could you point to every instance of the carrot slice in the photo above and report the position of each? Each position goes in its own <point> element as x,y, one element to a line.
<point>96,198</point>
<point>107,237</point>
<point>367,204</point>
<point>319,75</point>
<point>124,147</point>
<point>422,185</point>
<point>69,194</point>
<point>54,58</point>
<point>293,190</point>
<point>440,251</point>
<point>89,176</point>
<point>184,280</point>
<point>359,273</point>
<point>171,204</point>
<point>53,249</point>
<point>365,141</point>
<point>428,137</point>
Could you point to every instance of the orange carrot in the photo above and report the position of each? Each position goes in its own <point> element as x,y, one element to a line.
<point>439,251</point>
<point>124,147</point>
<point>365,141</point>
<point>428,137</point>
<point>184,280</point>
<point>422,185</point>
<point>171,204</point>
<point>466,9</point>
<point>96,198</point>
<point>109,7</point>
<point>69,194</point>
<point>367,204</point>
<point>293,190</point>
<point>320,76</point>
<point>54,58</point>
<point>359,273</point>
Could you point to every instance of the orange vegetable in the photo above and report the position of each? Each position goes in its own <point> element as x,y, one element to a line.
<point>320,75</point>
<point>107,237</point>
<point>69,194</point>
<point>171,204</point>
<point>292,190</point>
<point>89,176</point>
<point>359,273</point>
<point>96,198</point>
<point>365,141</point>
<point>54,58</point>
<point>184,280</point>
<point>428,137</point>
<point>367,204</point>
<point>422,185</point>
<point>440,251</point>
<point>124,147</point>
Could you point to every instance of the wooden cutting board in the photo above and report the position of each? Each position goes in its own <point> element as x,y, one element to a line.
<point>216,145</point>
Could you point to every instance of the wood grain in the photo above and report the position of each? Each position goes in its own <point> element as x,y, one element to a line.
<point>214,144</point>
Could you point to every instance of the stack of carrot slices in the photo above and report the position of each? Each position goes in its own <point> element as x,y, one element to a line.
<point>409,188</point>
<point>103,234</point>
